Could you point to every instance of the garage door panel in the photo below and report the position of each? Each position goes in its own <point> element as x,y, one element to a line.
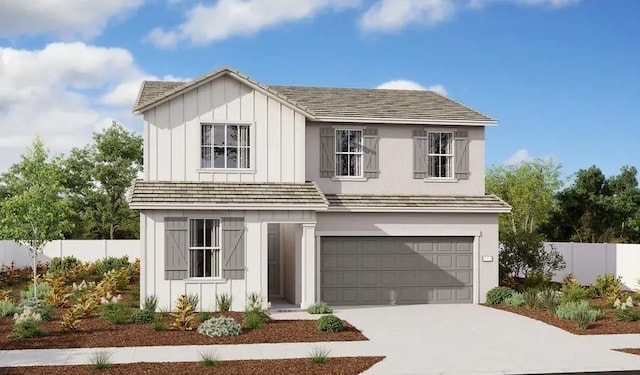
<point>396,270</point>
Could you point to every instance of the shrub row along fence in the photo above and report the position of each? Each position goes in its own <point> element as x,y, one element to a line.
<point>85,250</point>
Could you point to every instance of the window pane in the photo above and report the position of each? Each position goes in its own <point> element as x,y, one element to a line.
<point>434,141</point>
<point>445,166</point>
<point>196,263</point>
<point>197,233</point>
<point>216,263</point>
<point>354,167</point>
<point>342,165</point>
<point>207,263</point>
<point>218,157</point>
<point>342,141</point>
<point>433,166</point>
<point>232,157</point>
<point>232,135</point>
<point>244,158</point>
<point>215,235</point>
<point>206,135</point>
<point>218,135</point>
<point>445,143</point>
<point>244,136</point>
<point>205,157</point>
<point>208,228</point>
<point>355,141</point>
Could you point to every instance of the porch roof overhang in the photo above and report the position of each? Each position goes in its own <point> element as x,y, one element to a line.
<point>417,203</point>
<point>154,195</point>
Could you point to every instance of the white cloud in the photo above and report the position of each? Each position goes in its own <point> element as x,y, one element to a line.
<point>226,18</point>
<point>518,157</point>
<point>63,93</point>
<point>67,18</point>
<point>393,15</point>
<point>403,84</point>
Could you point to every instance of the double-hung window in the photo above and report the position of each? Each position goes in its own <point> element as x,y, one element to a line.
<point>225,146</point>
<point>349,152</point>
<point>204,248</point>
<point>440,155</point>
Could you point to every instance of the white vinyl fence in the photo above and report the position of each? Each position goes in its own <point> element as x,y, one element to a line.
<point>586,261</point>
<point>85,250</point>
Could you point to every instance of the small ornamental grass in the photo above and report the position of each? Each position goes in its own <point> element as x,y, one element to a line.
<point>116,313</point>
<point>625,312</point>
<point>7,308</point>
<point>209,358</point>
<point>220,327</point>
<point>497,295</point>
<point>224,302</point>
<point>330,323</point>
<point>319,308</point>
<point>27,324</point>
<point>100,360</point>
<point>516,299</point>
<point>255,315</point>
<point>158,326</point>
<point>319,355</point>
<point>579,312</point>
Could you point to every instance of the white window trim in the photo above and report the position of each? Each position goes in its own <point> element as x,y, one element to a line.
<point>219,248</point>
<point>452,155</point>
<point>359,177</point>
<point>252,145</point>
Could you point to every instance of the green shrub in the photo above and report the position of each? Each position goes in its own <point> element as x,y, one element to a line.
<point>254,319</point>
<point>224,301</point>
<point>319,308</point>
<point>59,265</point>
<point>100,360</point>
<point>319,355</point>
<point>158,326</point>
<point>530,297</point>
<point>7,308</point>
<point>116,313</point>
<point>143,317</point>
<point>579,312</point>
<point>497,295</point>
<point>537,280</point>
<point>330,323</point>
<point>209,359</point>
<point>150,303</point>
<point>111,263</point>
<point>549,299</point>
<point>220,327</point>
<point>204,315</point>
<point>43,290</point>
<point>516,299</point>
<point>573,292</point>
<point>608,285</point>
<point>26,329</point>
<point>193,300</point>
<point>627,315</point>
<point>39,306</point>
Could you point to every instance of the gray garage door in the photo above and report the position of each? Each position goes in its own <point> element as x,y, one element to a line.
<point>396,270</point>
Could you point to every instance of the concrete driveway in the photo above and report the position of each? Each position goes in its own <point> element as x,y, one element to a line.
<point>457,339</point>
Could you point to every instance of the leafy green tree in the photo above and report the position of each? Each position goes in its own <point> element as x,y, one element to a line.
<point>524,254</point>
<point>529,188</point>
<point>33,211</point>
<point>98,177</point>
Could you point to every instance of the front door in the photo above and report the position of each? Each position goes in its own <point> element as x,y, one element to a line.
<point>274,261</point>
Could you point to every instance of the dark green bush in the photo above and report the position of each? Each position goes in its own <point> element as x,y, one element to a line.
<point>27,329</point>
<point>116,313</point>
<point>330,323</point>
<point>497,295</point>
<point>143,317</point>
<point>319,308</point>
<point>59,264</point>
<point>573,292</point>
<point>111,263</point>
<point>627,315</point>
<point>254,319</point>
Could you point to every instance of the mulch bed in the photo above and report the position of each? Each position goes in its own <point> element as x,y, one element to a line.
<point>635,351</point>
<point>95,332</point>
<point>343,366</point>
<point>607,326</point>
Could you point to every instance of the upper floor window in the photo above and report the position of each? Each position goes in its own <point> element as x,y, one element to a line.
<point>204,248</point>
<point>349,153</point>
<point>440,155</point>
<point>225,146</point>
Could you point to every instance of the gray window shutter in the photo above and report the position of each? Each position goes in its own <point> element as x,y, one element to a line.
<point>327,152</point>
<point>233,262</point>
<point>371,169</point>
<point>461,149</point>
<point>176,246</point>
<point>419,154</point>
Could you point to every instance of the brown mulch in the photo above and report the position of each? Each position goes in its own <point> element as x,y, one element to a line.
<point>635,351</point>
<point>607,326</point>
<point>342,366</point>
<point>95,332</point>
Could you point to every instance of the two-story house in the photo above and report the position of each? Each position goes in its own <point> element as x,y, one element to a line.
<point>349,196</point>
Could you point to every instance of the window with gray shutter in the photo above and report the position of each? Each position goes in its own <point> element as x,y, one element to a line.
<point>371,169</point>
<point>176,244</point>
<point>462,155</point>
<point>419,154</point>
<point>327,152</point>
<point>233,257</point>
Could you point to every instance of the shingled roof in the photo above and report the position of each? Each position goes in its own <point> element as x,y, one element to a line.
<point>336,104</point>
<point>434,203</point>
<point>208,195</point>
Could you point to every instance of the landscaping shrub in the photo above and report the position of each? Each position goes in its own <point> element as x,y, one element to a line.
<point>204,315</point>
<point>27,324</point>
<point>319,308</point>
<point>150,303</point>
<point>223,302</point>
<point>72,318</point>
<point>43,290</point>
<point>183,314</point>
<point>254,319</point>
<point>100,360</point>
<point>111,263</point>
<point>7,308</point>
<point>220,327</point>
<point>193,300</point>
<point>608,286</point>
<point>330,323</point>
<point>59,265</point>
<point>143,317</point>
<point>625,311</point>
<point>516,299</point>
<point>530,297</point>
<point>209,358</point>
<point>38,306</point>
<point>319,355</point>
<point>158,326</point>
<point>572,291</point>
<point>120,276</point>
<point>497,295</point>
<point>523,254</point>
<point>549,299</point>
<point>116,313</point>
<point>579,312</point>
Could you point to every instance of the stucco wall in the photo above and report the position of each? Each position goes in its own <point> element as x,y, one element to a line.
<point>484,227</point>
<point>172,135</point>
<point>396,164</point>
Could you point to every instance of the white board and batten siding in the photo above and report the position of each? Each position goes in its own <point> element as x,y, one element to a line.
<point>172,135</point>
<point>255,277</point>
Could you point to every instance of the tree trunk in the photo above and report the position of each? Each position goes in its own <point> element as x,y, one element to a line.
<point>112,231</point>
<point>35,273</point>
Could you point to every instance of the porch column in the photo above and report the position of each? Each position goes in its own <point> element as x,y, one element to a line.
<point>308,262</point>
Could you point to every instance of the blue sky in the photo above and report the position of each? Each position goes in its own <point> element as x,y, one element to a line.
<point>562,76</point>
